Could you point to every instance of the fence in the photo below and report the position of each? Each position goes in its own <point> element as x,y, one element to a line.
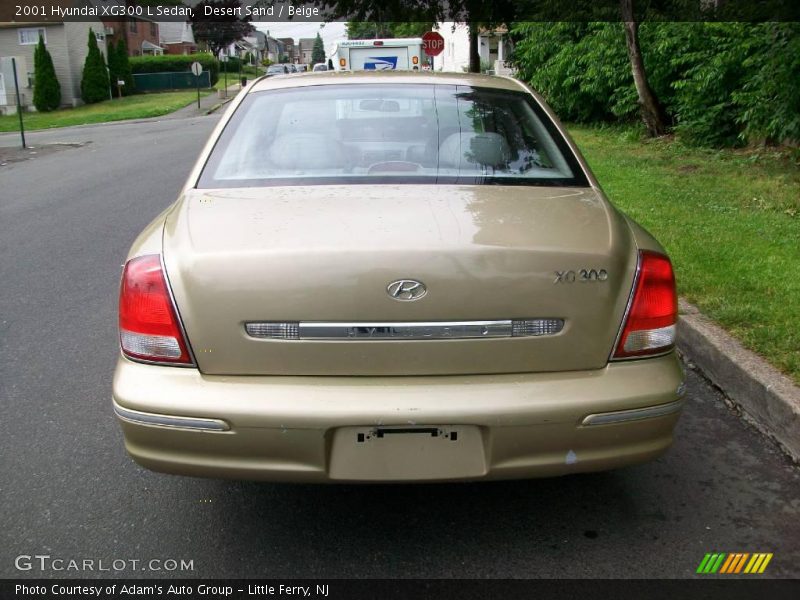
<point>156,82</point>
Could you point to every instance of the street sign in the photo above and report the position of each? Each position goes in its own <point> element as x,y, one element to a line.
<point>197,69</point>
<point>432,43</point>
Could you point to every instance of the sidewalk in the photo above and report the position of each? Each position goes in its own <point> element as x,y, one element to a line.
<point>208,104</point>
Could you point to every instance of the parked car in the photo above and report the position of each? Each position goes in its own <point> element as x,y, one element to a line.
<point>277,70</point>
<point>320,67</point>
<point>394,277</point>
<point>292,68</point>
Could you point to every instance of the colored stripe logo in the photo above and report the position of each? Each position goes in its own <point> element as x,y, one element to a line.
<point>734,563</point>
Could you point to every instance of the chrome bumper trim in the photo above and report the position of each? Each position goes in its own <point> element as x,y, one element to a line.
<point>414,330</point>
<point>636,414</point>
<point>192,423</point>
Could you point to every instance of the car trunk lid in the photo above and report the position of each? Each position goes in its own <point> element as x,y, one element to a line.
<point>323,256</point>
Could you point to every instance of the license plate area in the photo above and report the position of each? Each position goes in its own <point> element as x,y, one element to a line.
<point>402,453</point>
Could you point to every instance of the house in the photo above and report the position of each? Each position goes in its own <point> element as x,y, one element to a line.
<point>305,51</point>
<point>176,37</point>
<point>494,47</point>
<point>289,49</point>
<point>66,42</point>
<point>141,33</point>
<point>258,45</point>
<point>275,50</point>
<point>250,46</point>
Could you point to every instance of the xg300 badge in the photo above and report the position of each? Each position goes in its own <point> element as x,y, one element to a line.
<point>581,275</point>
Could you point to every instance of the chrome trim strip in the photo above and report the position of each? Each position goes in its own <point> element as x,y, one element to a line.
<point>193,423</point>
<point>636,414</point>
<point>406,331</point>
<point>411,330</point>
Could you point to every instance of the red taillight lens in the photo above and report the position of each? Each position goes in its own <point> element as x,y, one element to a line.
<point>148,324</point>
<point>650,324</point>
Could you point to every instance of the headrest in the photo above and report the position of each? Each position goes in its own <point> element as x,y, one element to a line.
<point>468,150</point>
<point>306,151</point>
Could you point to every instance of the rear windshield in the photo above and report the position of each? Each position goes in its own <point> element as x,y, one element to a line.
<point>390,133</point>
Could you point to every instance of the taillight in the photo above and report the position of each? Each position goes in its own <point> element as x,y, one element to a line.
<point>148,324</point>
<point>649,327</point>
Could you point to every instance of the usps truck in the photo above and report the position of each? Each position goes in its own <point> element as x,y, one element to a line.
<point>378,55</point>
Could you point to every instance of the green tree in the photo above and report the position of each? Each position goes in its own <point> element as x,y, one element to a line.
<point>94,83</point>
<point>365,30</point>
<point>113,67</point>
<point>120,68</point>
<point>318,51</point>
<point>477,13</point>
<point>124,68</point>
<point>720,84</point>
<point>216,31</point>
<point>46,89</point>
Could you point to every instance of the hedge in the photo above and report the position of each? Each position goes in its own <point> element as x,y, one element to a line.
<point>720,84</point>
<point>175,62</point>
<point>233,64</point>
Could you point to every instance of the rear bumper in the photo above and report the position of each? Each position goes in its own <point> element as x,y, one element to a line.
<point>306,428</point>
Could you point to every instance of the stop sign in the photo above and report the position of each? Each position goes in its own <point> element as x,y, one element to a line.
<point>432,43</point>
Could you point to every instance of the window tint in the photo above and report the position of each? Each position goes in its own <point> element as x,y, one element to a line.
<point>390,133</point>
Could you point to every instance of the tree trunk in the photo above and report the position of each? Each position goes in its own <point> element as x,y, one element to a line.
<point>652,114</point>
<point>474,56</point>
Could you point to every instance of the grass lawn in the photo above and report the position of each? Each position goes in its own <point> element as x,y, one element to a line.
<point>233,77</point>
<point>130,107</point>
<point>730,221</point>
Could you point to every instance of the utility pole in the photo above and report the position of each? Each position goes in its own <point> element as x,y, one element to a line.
<point>19,102</point>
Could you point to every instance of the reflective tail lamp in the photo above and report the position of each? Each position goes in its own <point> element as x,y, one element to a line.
<point>649,326</point>
<point>148,323</point>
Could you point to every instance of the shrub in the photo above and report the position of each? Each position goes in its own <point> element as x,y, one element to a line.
<point>94,83</point>
<point>721,84</point>
<point>232,64</point>
<point>175,63</point>
<point>120,68</point>
<point>46,88</point>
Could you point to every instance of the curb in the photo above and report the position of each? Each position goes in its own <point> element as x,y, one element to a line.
<point>219,105</point>
<point>767,398</point>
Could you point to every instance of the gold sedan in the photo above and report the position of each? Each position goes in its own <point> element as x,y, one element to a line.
<point>394,277</point>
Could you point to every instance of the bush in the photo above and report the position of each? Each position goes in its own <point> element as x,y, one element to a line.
<point>232,64</point>
<point>120,68</point>
<point>94,83</point>
<point>175,63</point>
<point>46,88</point>
<point>720,84</point>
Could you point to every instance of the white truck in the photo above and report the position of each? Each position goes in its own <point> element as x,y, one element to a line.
<point>378,55</point>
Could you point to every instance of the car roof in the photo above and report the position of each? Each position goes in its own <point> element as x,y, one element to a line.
<point>307,79</point>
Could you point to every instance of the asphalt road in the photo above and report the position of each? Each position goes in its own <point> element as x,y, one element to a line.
<point>68,490</point>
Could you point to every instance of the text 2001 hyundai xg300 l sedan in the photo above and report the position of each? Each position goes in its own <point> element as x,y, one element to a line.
<point>394,277</point>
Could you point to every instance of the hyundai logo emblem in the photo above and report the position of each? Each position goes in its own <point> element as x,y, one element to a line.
<point>406,290</point>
